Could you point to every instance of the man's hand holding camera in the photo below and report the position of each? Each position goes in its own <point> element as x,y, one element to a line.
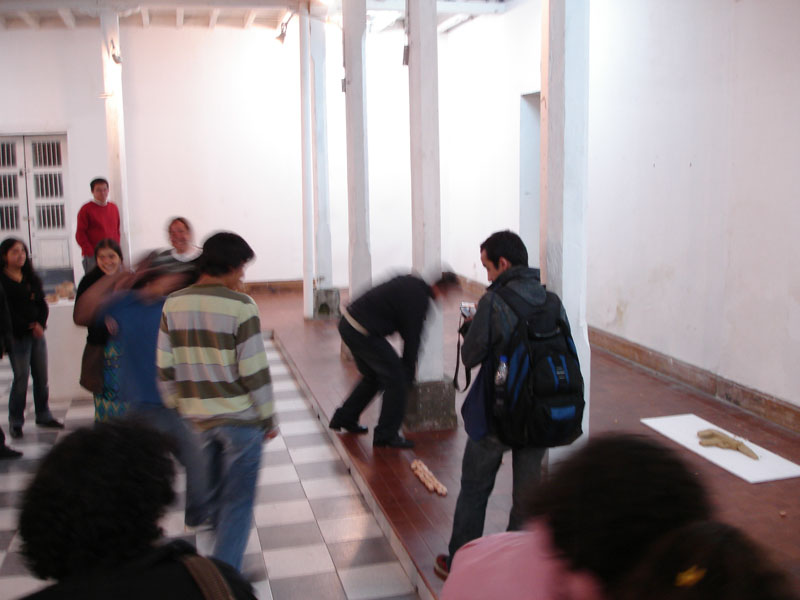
<point>468,310</point>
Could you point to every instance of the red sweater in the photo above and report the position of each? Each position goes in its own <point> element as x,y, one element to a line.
<point>96,223</point>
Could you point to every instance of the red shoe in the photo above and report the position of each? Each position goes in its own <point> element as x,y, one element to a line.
<point>441,567</point>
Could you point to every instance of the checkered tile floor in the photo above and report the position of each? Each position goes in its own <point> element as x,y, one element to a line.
<point>313,535</point>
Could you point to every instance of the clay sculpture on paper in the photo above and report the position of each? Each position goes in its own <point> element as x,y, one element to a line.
<point>712,437</point>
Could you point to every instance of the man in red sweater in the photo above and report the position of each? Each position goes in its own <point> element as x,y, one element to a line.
<point>98,219</point>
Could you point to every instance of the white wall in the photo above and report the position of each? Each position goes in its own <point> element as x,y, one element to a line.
<point>694,146</point>
<point>213,133</point>
<point>52,84</point>
<point>232,97</point>
<point>485,66</point>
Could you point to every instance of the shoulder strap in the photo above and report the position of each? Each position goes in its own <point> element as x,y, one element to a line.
<point>525,310</point>
<point>517,303</point>
<point>467,372</point>
<point>207,576</point>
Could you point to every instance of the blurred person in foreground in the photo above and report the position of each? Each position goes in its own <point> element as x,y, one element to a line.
<point>89,521</point>
<point>587,526</point>
<point>706,560</point>
<point>213,367</point>
<point>130,304</point>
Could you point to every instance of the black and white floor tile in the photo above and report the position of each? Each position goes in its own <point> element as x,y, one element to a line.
<point>313,534</point>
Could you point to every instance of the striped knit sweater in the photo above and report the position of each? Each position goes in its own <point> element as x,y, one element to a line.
<point>211,360</point>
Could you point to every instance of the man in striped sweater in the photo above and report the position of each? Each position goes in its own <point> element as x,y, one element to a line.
<point>213,369</point>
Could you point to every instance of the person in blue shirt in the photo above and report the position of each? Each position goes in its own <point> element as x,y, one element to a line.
<point>132,315</point>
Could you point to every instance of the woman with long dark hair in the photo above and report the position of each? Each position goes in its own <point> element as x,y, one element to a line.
<point>27,349</point>
<point>100,364</point>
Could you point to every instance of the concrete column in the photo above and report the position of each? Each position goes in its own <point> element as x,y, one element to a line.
<point>432,405</point>
<point>307,161</point>
<point>322,210</point>
<point>354,26</point>
<point>111,55</point>
<point>325,296</point>
<point>565,95</point>
<point>423,90</point>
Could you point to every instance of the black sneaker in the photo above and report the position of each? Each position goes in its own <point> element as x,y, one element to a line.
<point>50,423</point>
<point>337,424</point>
<point>395,442</point>
<point>16,431</point>
<point>6,452</point>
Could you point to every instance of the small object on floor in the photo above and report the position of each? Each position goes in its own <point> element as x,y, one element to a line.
<point>440,566</point>
<point>712,437</point>
<point>427,478</point>
<point>16,431</point>
<point>50,424</point>
<point>6,452</point>
<point>396,442</point>
<point>338,424</point>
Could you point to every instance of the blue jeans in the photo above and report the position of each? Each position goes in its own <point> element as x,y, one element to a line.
<point>478,471</point>
<point>28,356</point>
<point>234,457</point>
<point>188,451</point>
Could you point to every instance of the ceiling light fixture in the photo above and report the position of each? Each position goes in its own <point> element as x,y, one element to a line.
<point>284,25</point>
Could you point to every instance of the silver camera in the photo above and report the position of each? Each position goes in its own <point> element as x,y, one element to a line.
<point>468,309</point>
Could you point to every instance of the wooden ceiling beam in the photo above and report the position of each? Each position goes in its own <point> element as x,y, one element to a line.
<point>67,16</point>
<point>28,19</point>
<point>249,18</point>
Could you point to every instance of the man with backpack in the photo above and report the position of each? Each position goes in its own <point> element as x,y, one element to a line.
<point>492,426</point>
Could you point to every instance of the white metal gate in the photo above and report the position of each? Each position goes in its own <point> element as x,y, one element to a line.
<point>32,201</point>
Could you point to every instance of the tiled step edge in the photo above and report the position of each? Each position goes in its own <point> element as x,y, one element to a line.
<point>417,580</point>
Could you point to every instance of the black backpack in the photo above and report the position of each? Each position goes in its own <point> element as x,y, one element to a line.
<point>541,402</point>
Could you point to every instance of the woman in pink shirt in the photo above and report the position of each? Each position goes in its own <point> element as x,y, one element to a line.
<point>588,526</point>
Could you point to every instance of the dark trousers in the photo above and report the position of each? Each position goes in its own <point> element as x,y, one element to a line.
<point>478,471</point>
<point>28,357</point>
<point>381,369</point>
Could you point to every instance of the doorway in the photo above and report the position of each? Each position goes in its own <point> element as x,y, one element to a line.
<point>529,174</point>
<point>33,203</point>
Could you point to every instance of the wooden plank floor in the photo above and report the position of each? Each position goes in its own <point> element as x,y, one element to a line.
<point>621,394</point>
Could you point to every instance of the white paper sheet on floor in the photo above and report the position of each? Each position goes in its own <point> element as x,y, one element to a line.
<point>683,430</point>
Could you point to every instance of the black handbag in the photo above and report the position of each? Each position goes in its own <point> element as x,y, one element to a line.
<point>92,368</point>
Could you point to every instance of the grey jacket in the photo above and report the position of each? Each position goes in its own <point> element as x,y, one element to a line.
<point>495,315</point>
